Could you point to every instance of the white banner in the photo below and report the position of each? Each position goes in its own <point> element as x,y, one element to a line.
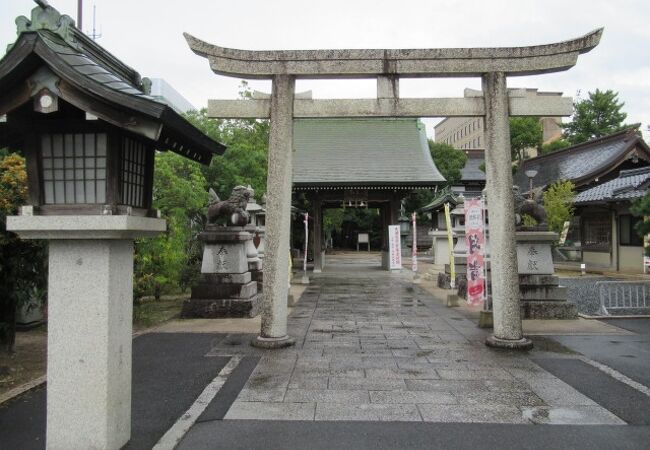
<point>394,247</point>
<point>414,247</point>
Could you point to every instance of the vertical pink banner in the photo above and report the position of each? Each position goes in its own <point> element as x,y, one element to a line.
<point>475,240</point>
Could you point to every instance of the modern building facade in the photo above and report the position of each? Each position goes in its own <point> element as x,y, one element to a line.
<point>467,133</point>
<point>165,93</point>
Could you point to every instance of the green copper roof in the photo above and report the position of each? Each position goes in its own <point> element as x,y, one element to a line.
<point>349,152</point>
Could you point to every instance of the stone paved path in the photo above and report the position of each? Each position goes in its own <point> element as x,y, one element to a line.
<point>373,346</point>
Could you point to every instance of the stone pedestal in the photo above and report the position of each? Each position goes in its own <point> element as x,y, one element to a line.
<point>90,306</point>
<point>225,288</point>
<point>440,247</point>
<point>541,296</point>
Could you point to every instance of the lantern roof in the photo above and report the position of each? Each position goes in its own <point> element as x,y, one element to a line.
<point>50,52</point>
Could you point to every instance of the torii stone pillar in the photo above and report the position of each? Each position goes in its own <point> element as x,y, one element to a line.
<point>278,216</point>
<point>505,279</point>
<point>388,66</point>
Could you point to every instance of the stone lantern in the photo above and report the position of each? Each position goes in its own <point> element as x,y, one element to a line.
<point>404,229</point>
<point>252,251</point>
<point>261,228</point>
<point>89,133</point>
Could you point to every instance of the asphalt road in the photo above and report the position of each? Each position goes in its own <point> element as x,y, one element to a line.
<point>169,372</point>
<point>629,355</point>
<point>264,435</point>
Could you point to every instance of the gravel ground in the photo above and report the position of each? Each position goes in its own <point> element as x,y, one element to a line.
<point>582,292</point>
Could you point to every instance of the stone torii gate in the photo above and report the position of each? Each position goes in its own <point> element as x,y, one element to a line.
<point>493,65</point>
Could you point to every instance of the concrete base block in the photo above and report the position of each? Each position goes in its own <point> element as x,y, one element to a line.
<point>204,290</point>
<point>452,300</point>
<point>548,310</point>
<point>507,344</point>
<point>89,356</point>
<point>258,277</point>
<point>219,308</point>
<point>304,279</point>
<point>485,319</point>
<point>444,281</point>
<point>272,343</point>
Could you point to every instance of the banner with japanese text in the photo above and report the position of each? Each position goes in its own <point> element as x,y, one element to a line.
<point>394,247</point>
<point>475,240</point>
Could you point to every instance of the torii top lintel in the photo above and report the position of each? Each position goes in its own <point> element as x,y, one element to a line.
<point>441,62</point>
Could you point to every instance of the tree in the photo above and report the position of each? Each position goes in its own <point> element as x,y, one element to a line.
<point>170,261</point>
<point>554,146</point>
<point>22,263</point>
<point>449,160</point>
<point>641,208</point>
<point>245,159</point>
<point>596,116</point>
<point>525,132</point>
<point>558,203</point>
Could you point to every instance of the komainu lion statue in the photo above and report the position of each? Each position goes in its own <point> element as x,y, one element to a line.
<point>530,207</point>
<point>233,209</point>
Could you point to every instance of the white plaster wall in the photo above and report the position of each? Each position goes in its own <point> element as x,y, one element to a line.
<point>631,259</point>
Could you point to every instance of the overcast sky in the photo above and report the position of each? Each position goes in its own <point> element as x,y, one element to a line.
<point>147,35</point>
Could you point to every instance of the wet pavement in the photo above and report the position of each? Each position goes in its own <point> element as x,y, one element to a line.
<point>379,362</point>
<point>373,346</point>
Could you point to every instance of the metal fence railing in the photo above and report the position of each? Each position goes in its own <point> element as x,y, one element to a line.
<point>623,295</point>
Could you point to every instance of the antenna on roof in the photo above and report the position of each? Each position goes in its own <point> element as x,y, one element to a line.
<point>94,35</point>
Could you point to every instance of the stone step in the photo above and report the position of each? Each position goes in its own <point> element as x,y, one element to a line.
<point>224,291</point>
<point>548,310</point>
<point>216,308</point>
<point>538,280</point>
<point>553,293</point>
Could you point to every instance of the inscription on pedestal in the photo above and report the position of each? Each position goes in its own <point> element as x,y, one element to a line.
<point>534,258</point>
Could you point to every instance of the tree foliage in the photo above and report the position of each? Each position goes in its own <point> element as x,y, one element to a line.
<point>558,203</point>
<point>641,208</point>
<point>449,160</point>
<point>596,116</point>
<point>525,133</point>
<point>22,263</point>
<point>554,146</point>
<point>245,159</point>
<point>169,262</point>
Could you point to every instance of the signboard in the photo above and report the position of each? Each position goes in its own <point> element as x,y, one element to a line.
<point>475,239</point>
<point>363,238</point>
<point>394,247</point>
